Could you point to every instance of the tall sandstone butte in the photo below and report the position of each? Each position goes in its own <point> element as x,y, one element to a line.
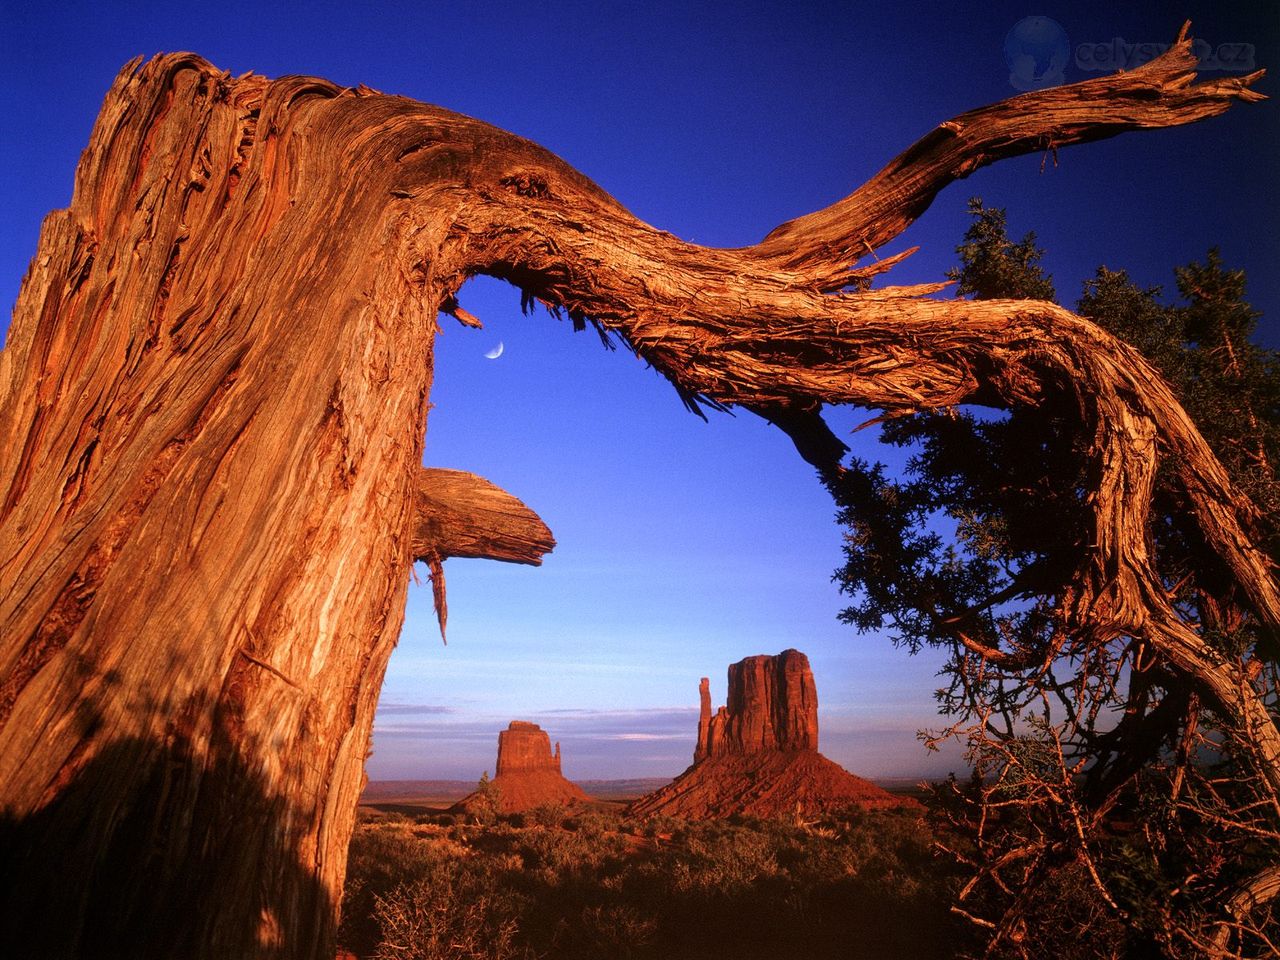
<point>772,705</point>
<point>758,754</point>
<point>528,773</point>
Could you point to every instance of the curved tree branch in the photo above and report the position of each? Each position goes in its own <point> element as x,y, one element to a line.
<point>723,329</point>
<point>1160,93</point>
<point>1257,891</point>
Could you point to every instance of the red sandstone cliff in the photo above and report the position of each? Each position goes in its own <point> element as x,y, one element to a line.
<point>525,748</point>
<point>528,773</point>
<point>772,705</point>
<point>758,754</point>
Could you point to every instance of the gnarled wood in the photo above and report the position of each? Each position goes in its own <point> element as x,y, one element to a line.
<point>461,515</point>
<point>458,514</point>
<point>1160,93</point>
<point>212,405</point>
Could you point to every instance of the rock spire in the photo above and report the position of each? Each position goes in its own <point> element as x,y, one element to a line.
<point>772,706</point>
<point>758,754</point>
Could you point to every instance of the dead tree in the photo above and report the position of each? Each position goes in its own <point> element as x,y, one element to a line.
<point>212,411</point>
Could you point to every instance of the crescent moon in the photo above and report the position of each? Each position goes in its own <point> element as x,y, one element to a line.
<point>495,353</point>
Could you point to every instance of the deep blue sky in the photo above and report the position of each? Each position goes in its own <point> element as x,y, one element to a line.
<point>683,545</point>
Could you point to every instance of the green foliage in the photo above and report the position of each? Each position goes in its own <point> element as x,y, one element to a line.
<point>1074,738</point>
<point>959,541</point>
<point>977,536</point>
<point>994,266</point>
<point>598,885</point>
<point>1228,384</point>
<point>546,815</point>
<point>488,800</point>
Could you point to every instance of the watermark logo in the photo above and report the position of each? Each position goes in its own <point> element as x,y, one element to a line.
<point>1119,54</point>
<point>1037,52</point>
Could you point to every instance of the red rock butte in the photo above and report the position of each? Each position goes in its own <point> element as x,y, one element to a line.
<point>758,754</point>
<point>528,773</point>
<point>772,705</point>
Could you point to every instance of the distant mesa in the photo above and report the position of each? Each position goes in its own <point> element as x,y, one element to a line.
<point>758,754</point>
<point>528,773</point>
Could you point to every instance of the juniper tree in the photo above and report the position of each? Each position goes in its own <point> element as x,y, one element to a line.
<point>1074,742</point>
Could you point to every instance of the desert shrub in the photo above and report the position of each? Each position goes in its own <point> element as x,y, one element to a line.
<point>546,815</point>
<point>558,851</point>
<point>724,861</point>
<point>662,826</point>
<point>596,823</point>
<point>566,853</point>
<point>455,913</point>
<point>385,854</point>
<point>598,885</point>
<point>487,803</point>
<point>607,930</point>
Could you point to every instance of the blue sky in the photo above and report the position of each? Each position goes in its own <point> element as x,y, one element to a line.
<point>683,545</point>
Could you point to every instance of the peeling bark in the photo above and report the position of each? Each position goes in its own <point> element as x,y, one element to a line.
<point>212,407</point>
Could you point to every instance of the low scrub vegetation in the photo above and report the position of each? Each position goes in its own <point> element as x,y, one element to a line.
<point>595,885</point>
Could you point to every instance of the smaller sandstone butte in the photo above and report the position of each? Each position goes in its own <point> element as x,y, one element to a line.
<point>528,773</point>
<point>758,754</point>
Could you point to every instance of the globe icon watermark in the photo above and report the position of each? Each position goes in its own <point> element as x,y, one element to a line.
<point>1036,50</point>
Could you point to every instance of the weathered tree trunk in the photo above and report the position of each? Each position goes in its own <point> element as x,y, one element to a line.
<point>214,397</point>
<point>212,409</point>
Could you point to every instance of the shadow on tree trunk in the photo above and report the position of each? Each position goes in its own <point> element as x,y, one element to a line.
<point>98,872</point>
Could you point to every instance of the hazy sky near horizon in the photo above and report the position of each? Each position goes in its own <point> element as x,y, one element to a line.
<point>682,545</point>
